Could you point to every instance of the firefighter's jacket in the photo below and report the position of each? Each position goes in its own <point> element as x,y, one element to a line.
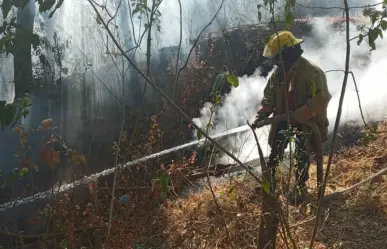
<point>307,92</point>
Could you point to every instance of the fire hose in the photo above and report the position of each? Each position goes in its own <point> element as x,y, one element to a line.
<point>316,143</point>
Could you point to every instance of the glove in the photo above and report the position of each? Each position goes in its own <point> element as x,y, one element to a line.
<point>261,115</point>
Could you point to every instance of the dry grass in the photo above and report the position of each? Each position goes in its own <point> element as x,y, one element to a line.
<point>357,220</point>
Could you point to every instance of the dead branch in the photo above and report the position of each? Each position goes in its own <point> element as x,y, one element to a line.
<point>337,194</point>
<point>216,200</point>
<point>193,47</point>
<point>340,8</point>
<point>178,51</point>
<point>271,208</point>
<point>357,93</point>
<point>337,123</point>
<point>169,100</point>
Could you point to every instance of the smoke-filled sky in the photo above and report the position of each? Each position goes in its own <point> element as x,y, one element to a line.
<point>243,101</point>
<point>196,14</point>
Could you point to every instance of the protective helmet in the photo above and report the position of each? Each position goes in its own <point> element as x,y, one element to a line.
<point>286,39</point>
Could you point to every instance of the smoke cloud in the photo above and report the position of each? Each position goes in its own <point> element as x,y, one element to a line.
<point>326,47</point>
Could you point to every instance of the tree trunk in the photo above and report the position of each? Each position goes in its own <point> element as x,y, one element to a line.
<point>22,64</point>
<point>269,221</point>
<point>22,54</point>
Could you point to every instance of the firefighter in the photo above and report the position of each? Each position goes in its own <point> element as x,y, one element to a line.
<point>307,95</point>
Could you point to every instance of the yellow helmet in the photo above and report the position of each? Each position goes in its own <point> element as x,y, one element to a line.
<point>286,39</point>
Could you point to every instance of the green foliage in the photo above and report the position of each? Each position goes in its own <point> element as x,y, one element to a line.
<point>259,6</point>
<point>370,135</point>
<point>12,36</point>
<point>377,27</point>
<point>361,37</point>
<point>218,83</point>
<point>19,3</point>
<point>286,133</point>
<point>232,80</point>
<point>221,78</point>
<point>199,134</point>
<point>266,186</point>
<point>288,11</point>
<point>164,178</point>
<point>141,8</point>
<point>231,190</point>
<point>98,19</point>
<point>6,7</point>
<point>289,18</point>
<point>22,172</point>
<point>45,5</point>
<point>137,246</point>
<point>160,182</point>
<point>217,98</point>
<point>259,13</point>
<point>8,29</point>
<point>10,113</point>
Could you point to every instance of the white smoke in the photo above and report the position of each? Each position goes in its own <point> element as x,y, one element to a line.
<point>240,105</point>
<point>243,102</point>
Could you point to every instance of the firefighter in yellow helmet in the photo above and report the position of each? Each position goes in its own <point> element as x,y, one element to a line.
<point>308,98</point>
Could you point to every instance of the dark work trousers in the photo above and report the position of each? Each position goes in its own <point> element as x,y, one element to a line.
<point>280,142</point>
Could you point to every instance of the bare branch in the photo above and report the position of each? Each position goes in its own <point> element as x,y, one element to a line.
<point>357,93</point>
<point>105,86</point>
<point>178,51</point>
<point>337,123</point>
<point>340,8</point>
<point>170,101</point>
<point>194,45</point>
<point>214,196</point>
<point>335,195</point>
<point>115,14</point>
<point>271,201</point>
<point>123,74</point>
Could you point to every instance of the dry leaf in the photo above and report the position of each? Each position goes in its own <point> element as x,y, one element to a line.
<point>35,167</point>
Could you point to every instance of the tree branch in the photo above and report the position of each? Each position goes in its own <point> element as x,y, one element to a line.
<point>123,74</point>
<point>337,194</point>
<point>178,51</point>
<point>271,201</point>
<point>357,93</point>
<point>337,123</point>
<point>340,8</point>
<point>170,101</point>
<point>193,46</point>
<point>215,198</point>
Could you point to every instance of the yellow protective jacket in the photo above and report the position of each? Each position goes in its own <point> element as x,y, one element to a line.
<point>311,96</point>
